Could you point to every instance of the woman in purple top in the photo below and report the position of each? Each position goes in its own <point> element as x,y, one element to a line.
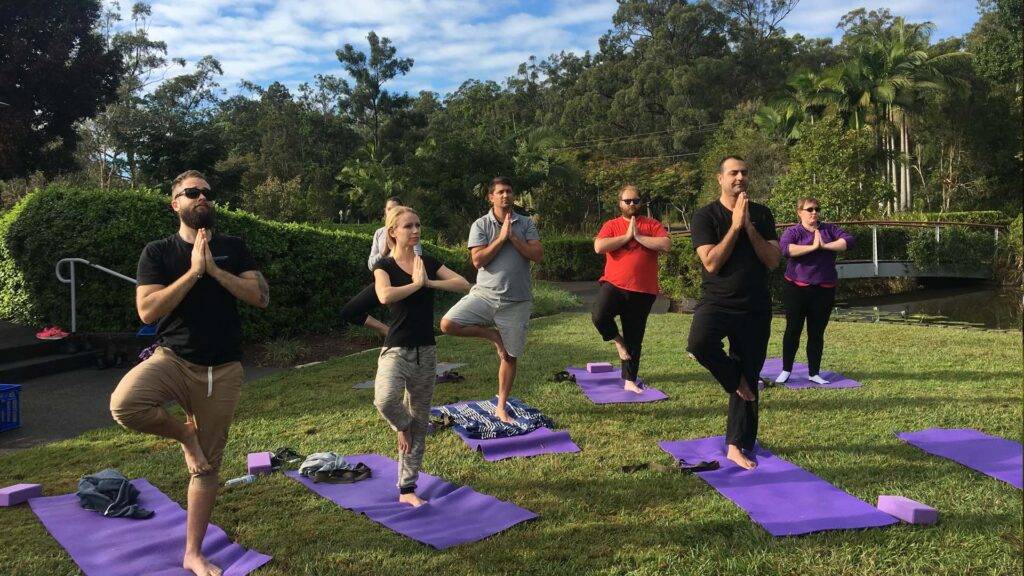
<point>810,287</point>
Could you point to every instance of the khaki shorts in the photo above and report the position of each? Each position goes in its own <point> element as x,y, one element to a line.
<point>510,319</point>
<point>208,394</point>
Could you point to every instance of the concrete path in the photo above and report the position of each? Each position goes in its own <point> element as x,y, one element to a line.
<point>64,405</point>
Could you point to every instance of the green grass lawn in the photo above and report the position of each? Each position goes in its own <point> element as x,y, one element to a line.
<point>595,519</point>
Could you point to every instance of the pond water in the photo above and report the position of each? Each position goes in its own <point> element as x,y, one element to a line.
<point>982,307</point>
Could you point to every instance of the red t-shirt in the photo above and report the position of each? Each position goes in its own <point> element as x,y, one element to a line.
<point>632,266</point>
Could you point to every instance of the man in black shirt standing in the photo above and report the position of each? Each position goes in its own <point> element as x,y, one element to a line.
<point>190,282</point>
<point>737,245</point>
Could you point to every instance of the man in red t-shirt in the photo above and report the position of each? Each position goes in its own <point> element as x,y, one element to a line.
<point>629,286</point>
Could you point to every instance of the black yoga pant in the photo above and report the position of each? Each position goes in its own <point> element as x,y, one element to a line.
<point>812,304</point>
<point>747,332</point>
<point>358,308</point>
<point>632,308</point>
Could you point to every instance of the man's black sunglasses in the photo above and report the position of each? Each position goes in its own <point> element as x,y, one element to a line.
<point>193,193</point>
<point>633,201</point>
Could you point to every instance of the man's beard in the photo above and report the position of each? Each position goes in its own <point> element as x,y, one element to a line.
<point>629,212</point>
<point>199,216</point>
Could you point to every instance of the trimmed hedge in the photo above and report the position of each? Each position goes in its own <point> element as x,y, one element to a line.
<point>569,258</point>
<point>312,271</point>
<point>679,270</point>
<point>969,217</point>
<point>958,249</point>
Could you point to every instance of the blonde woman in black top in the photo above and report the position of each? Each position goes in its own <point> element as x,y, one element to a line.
<point>404,385</point>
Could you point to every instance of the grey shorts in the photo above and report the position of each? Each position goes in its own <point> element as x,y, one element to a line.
<point>510,318</point>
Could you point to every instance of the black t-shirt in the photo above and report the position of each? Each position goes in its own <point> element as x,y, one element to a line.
<point>742,282</point>
<point>412,317</point>
<point>204,328</point>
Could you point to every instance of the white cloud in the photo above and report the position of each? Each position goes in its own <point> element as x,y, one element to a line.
<point>450,40</point>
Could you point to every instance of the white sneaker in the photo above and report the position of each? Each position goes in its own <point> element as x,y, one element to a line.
<point>782,377</point>
<point>818,380</point>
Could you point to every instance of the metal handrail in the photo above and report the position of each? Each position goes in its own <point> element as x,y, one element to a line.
<point>71,280</point>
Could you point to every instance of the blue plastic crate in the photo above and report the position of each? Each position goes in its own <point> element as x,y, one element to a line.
<point>10,407</point>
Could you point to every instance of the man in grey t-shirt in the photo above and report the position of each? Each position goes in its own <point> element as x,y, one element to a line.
<point>502,244</point>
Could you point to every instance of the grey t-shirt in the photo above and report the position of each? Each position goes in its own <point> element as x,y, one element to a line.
<point>507,276</point>
<point>379,247</point>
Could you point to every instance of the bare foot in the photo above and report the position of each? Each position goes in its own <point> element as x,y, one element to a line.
<point>412,499</point>
<point>621,349</point>
<point>737,456</point>
<point>503,415</point>
<point>404,442</point>
<point>195,460</point>
<point>632,387</point>
<point>743,391</point>
<point>200,566</point>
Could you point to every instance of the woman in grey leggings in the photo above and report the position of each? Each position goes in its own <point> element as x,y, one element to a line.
<point>404,386</point>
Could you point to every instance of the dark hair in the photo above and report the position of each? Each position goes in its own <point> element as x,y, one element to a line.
<point>394,199</point>
<point>721,163</point>
<point>185,176</point>
<point>499,180</point>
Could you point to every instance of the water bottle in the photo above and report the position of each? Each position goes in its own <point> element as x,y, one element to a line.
<point>418,249</point>
<point>247,479</point>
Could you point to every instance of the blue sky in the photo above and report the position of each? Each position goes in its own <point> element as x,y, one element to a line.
<point>450,40</point>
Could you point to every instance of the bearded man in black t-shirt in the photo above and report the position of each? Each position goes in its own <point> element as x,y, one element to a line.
<point>737,245</point>
<point>190,282</point>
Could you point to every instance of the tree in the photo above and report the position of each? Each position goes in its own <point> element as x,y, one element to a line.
<point>55,70</point>
<point>370,104</point>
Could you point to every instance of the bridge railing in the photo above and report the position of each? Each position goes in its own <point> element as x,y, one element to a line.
<point>875,225</point>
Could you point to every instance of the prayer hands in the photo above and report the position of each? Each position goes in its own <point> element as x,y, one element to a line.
<point>419,272</point>
<point>818,242</point>
<point>210,264</point>
<point>199,250</point>
<point>506,228</point>
<point>631,232</point>
<point>740,211</point>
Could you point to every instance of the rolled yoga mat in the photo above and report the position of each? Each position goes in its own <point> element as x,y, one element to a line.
<point>442,370</point>
<point>453,514</point>
<point>781,497</point>
<point>104,546</point>
<point>543,440</point>
<point>993,456</point>
<point>606,387</point>
<point>799,378</point>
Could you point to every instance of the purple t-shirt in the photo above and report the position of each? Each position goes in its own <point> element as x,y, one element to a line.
<point>818,267</point>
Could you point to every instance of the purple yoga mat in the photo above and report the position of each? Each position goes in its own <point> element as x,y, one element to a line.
<point>104,546</point>
<point>543,440</point>
<point>453,514</point>
<point>783,498</point>
<point>991,455</point>
<point>798,378</point>
<point>606,387</point>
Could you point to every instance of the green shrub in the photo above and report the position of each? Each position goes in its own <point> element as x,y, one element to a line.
<point>569,258</point>
<point>1010,265</point>
<point>958,249</point>
<point>679,270</point>
<point>312,271</point>
<point>970,217</point>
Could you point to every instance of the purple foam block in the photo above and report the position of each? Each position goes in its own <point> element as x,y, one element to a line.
<point>991,455</point>
<point>104,546</point>
<point>18,493</point>
<point>599,367</point>
<point>783,498</point>
<point>540,441</point>
<point>453,514</point>
<point>606,388</point>
<point>800,378</point>
<point>259,463</point>
<point>908,510</point>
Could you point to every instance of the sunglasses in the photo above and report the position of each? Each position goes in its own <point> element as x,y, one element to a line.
<point>633,201</point>
<point>812,209</point>
<point>193,193</point>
